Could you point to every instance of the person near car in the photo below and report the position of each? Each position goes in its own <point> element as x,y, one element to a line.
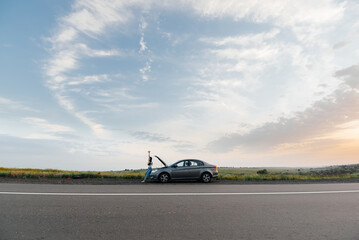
<point>149,164</point>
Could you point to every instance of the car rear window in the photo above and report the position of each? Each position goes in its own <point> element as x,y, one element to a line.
<point>199,163</point>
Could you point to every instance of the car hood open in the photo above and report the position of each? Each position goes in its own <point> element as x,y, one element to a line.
<point>161,161</point>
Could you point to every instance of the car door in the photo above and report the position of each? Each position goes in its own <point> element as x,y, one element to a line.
<point>193,169</point>
<point>179,170</point>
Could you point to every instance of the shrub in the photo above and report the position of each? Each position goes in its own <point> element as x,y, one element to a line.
<point>264,171</point>
<point>5,174</point>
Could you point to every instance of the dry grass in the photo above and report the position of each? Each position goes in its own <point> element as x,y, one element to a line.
<point>240,174</point>
<point>55,173</point>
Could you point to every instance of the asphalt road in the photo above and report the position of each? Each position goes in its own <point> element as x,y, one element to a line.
<point>179,211</point>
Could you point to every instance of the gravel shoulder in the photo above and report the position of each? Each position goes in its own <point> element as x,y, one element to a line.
<point>110,181</point>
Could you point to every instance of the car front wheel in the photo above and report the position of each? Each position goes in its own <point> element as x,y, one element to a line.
<point>164,178</point>
<point>206,177</point>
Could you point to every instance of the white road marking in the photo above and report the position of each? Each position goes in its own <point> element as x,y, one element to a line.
<point>175,194</point>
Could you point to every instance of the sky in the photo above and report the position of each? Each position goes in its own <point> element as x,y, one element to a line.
<point>94,85</point>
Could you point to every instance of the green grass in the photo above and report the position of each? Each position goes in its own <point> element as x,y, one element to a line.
<point>240,174</point>
<point>275,174</point>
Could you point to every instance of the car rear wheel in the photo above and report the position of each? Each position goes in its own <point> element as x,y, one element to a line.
<point>206,177</point>
<point>164,177</point>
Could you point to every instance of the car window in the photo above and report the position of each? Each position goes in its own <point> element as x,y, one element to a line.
<point>193,163</point>
<point>180,164</point>
<point>188,163</point>
<point>200,163</point>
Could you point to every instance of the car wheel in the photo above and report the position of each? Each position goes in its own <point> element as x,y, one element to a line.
<point>164,177</point>
<point>206,177</point>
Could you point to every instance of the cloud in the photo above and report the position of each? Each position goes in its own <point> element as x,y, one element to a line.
<point>145,70</point>
<point>97,128</point>
<point>228,78</point>
<point>152,137</point>
<point>143,46</point>
<point>121,107</point>
<point>61,62</point>
<point>243,40</point>
<point>90,79</point>
<point>115,95</point>
<point>69,48</point>
<point>185,148</point>
<point>92,17</point>
<point>42,129</point>
<point>14,105</point>
<point>65,102</point>
<point>340,45</point>
<point>45,126</point>
<point>306,18</point>
<point>350,76</point>
<point>58,154</point>
<point>144,49</point>
<point>68,105</point>
<point>85,50</point>
<point>64,35</point>
<point>313,124</point>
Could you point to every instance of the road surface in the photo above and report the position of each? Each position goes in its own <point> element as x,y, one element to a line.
<point>179,211</point>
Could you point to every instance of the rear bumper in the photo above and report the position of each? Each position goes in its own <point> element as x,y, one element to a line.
<point>215,175</point>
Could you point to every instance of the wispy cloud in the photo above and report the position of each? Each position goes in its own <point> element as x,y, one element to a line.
<point>143,26</point>
<point>45,126</point>
<point>97,128</point>
<point>145,70</point>
<point>307,19</point>
<point>89,18</point>
<point>144,49</point>
<point>9,104</point>
<point>243,40</point>
<point>90,79</point>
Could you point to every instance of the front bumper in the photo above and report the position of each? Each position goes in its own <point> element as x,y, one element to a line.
<point>153,176</point>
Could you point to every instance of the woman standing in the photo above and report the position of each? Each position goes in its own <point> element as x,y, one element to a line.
<point>149,164</point>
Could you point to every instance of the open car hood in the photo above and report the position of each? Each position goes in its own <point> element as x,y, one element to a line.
<point>161,161</point>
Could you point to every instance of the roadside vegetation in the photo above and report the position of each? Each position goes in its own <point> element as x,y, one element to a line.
<point>55,173</point>
<point>273,174</point>
<point>240,174</point>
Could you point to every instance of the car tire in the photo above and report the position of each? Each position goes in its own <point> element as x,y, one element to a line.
<point>206,177</point>
<point>164,177</point>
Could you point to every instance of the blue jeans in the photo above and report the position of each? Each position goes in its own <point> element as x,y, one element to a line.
<point>148,172</point>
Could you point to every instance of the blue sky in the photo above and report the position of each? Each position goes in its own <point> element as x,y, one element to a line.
<point>93,85</point>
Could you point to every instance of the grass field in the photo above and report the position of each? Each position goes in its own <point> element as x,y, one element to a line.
<point>240,174</point>
<point>272,174</point>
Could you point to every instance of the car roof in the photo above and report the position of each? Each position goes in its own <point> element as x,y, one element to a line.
<point>192,160</point>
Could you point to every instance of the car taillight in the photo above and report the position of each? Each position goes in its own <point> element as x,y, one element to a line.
<point>215,167</point>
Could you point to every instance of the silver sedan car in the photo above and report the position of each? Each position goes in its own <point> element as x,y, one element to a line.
<point>187,169</point>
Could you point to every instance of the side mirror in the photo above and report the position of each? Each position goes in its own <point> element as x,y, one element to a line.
<point>174,166</point>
